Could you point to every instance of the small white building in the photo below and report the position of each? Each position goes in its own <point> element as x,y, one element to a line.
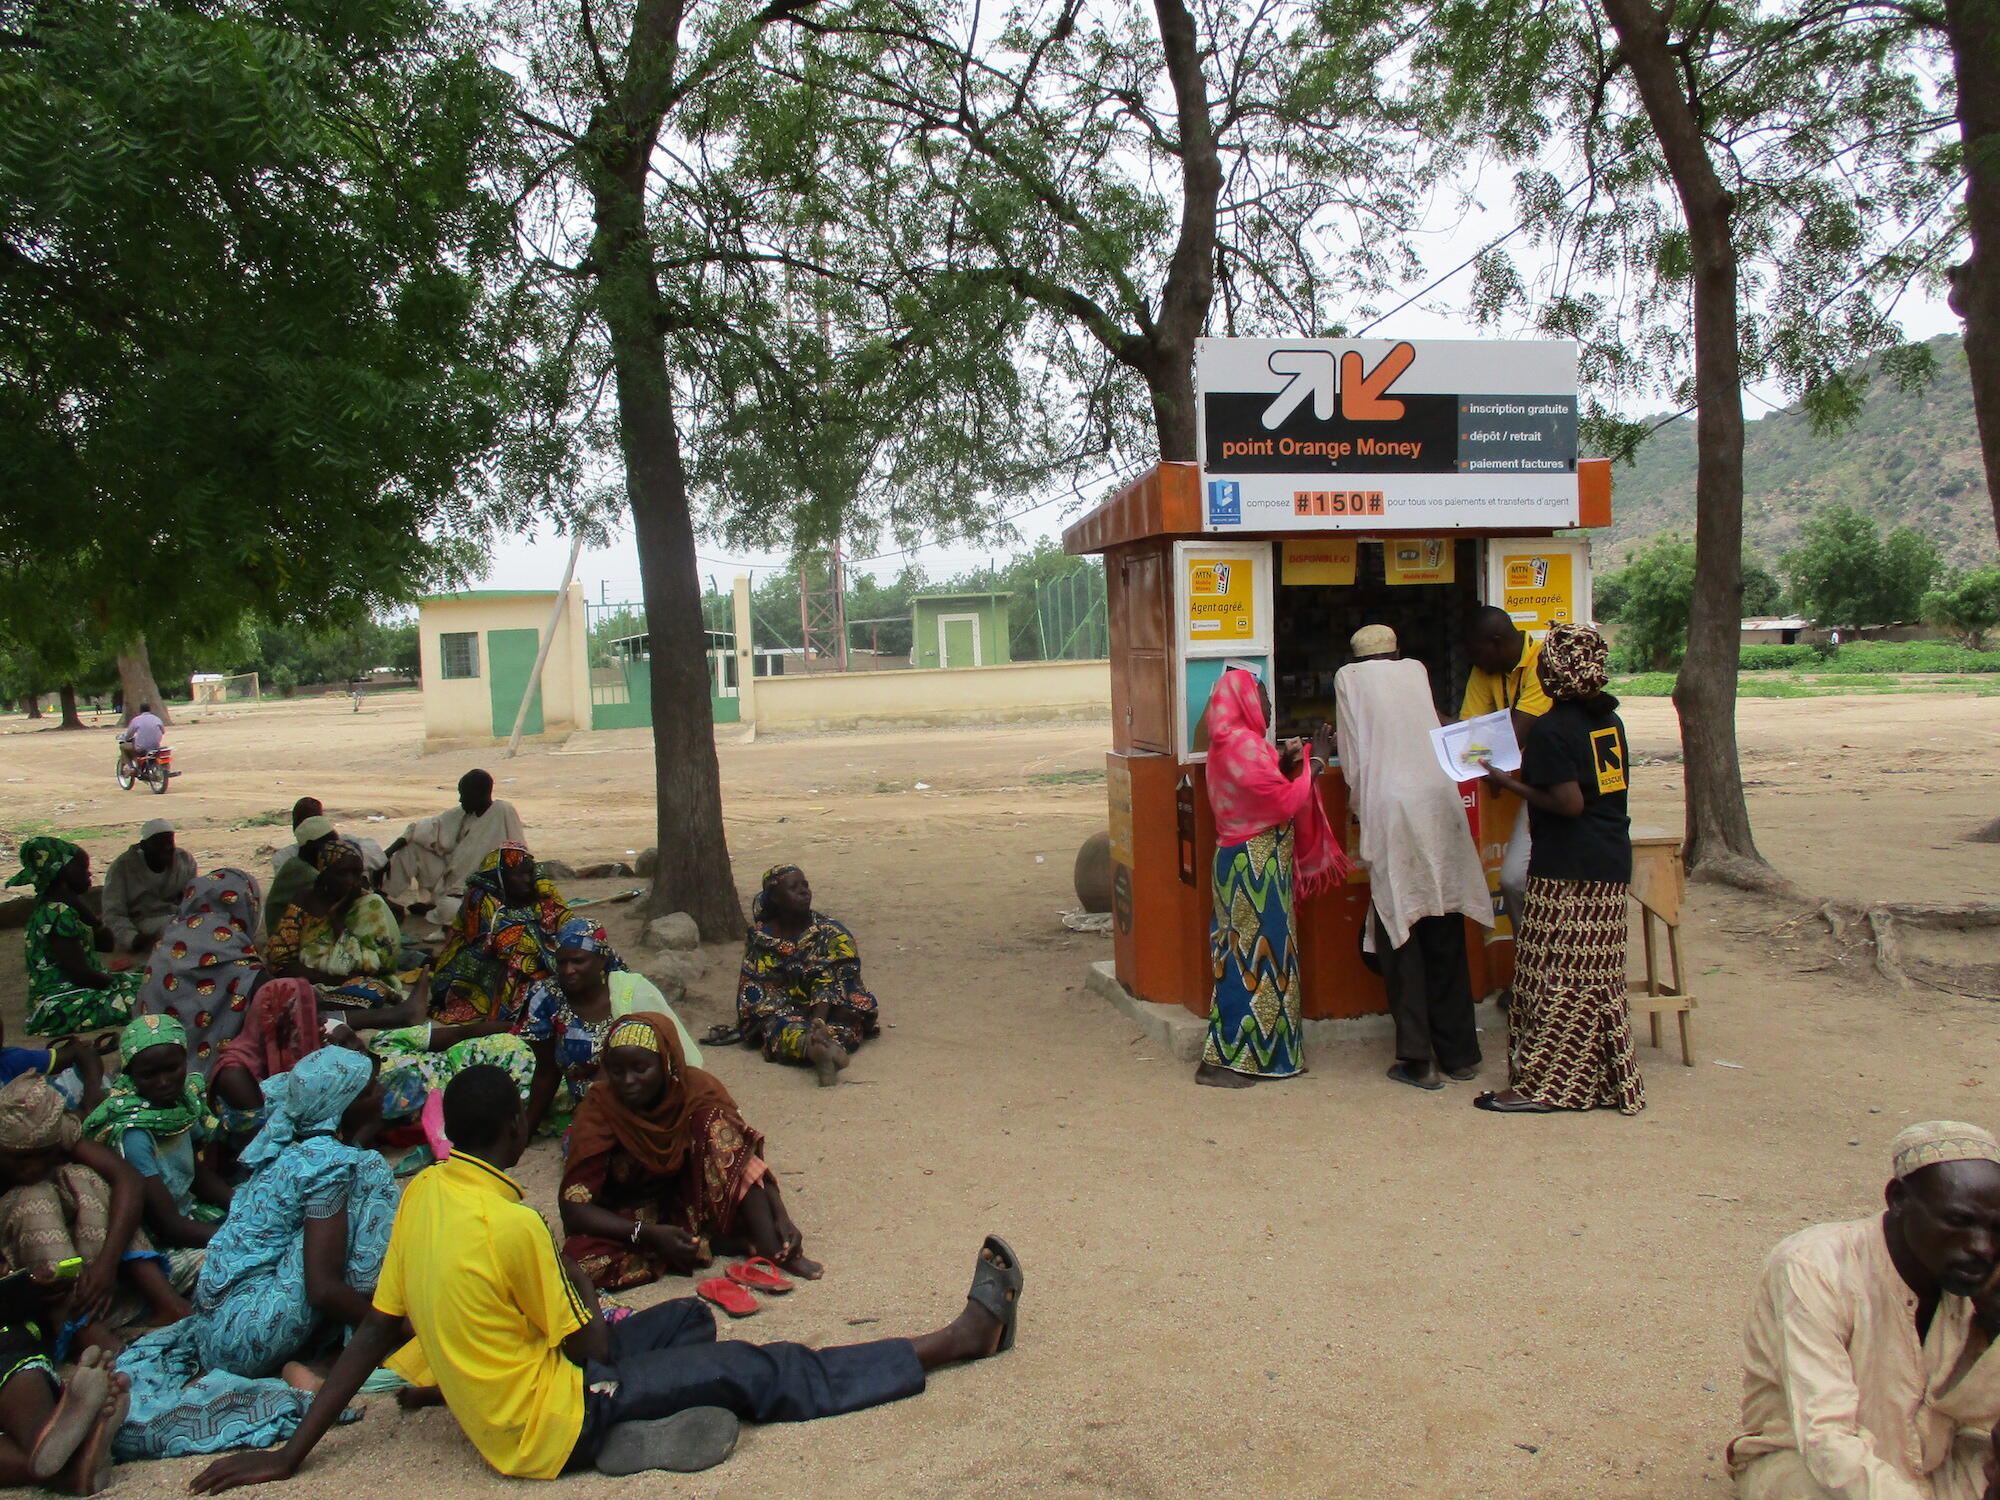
<point>478,652</point>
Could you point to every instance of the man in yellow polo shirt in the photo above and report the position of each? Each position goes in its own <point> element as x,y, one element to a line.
<point>509,1333</point>
<point>1503,676</point>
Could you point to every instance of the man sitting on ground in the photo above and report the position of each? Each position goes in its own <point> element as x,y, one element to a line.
<point>297,865</point>
<point>1867,1371</point>
<point>511,1336</point>
<point>144,886</point>
<point>439,855</point>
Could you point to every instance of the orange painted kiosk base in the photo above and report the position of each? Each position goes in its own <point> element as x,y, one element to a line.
<point>1176,594</point>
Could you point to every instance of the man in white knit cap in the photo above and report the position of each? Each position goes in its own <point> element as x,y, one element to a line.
<point>1866,1367</point>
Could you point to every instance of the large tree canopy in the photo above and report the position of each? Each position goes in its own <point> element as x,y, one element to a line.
<point>255,352</point>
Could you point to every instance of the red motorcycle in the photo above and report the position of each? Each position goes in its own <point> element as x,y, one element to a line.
<point>154,767</point>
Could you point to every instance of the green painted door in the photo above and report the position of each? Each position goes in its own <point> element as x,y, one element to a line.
<point>959,636</point>
<point>510,662</point>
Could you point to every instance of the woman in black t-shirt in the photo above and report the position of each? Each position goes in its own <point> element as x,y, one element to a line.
<point>1569,1043</point>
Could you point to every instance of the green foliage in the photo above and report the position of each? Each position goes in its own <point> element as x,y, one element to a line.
<point>1913,656</point>
<point>285,657</point>
<point>261,352</point>
<point>1967,604</point>
<point>1820,124</point>
<point>1658,584</point>
<point>1763,592</point>
<point>1041,153</point>
<point>1845,573</point>
<point>1776,658</point>
<point>1790,471</point>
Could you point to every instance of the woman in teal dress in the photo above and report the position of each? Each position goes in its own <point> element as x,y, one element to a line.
<point>1272,839</point>
<point>68,990</point>
<point>293,1264</point>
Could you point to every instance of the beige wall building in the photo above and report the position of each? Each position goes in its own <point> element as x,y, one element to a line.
<point>478,652</point>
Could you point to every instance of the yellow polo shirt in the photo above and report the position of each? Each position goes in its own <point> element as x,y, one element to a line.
<point>1489,692</point>
<point>475,1271</point>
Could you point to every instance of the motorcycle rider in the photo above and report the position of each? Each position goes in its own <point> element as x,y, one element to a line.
<point>143,734</point>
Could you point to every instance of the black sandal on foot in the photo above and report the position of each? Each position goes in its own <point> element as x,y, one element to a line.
<point>685,1443</point>
<point>996,1286</point>
<point>724,1035</point>
<point>1402,1074</point>
<point>1492,1104</point>
<point>1462,1075</point>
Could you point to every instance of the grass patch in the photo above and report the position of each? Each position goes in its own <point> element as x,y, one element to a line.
<point>1065,778</point>
<point>44,830</point>
<point>1853,679</point>
<point>1644,685</point>
<point>1766,687</point>
<point>267,819</point>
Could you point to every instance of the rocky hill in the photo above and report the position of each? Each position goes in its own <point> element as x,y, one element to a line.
<point>1913,460</point>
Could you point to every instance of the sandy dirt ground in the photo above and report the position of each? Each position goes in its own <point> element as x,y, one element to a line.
<point>1333,1287</point>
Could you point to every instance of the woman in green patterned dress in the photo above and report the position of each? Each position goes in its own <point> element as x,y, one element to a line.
<point>68,991</point>
<point>1271,836</point>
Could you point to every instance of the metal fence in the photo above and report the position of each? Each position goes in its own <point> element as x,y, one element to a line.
<point>1072,617</point>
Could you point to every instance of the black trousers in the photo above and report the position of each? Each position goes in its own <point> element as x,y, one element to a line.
<point>667,1359</point>
<point>1430,993</point>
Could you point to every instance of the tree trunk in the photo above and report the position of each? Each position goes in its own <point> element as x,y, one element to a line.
<point>135,676</point>
<point>1973,27</point>
<point>1190,283</point>
<point>34,702</point>
<point>71,719</point>
<point>1718,818</point>
<point>693,873</point>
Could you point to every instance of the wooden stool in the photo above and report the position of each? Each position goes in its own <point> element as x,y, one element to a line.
<point>1658,884</point>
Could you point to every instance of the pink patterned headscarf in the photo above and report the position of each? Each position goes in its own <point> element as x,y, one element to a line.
<point>1249,794</point>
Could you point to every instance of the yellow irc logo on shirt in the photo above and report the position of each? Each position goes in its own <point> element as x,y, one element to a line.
<point>1607,752</point>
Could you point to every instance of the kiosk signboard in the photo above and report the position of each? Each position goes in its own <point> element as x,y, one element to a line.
<point>1384,435</point>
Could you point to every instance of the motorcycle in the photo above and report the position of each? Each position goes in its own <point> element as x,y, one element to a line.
<point>154,767</point>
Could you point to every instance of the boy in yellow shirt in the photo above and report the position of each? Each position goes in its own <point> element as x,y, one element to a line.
<point>1503,676</point>
<point>510,1333</point>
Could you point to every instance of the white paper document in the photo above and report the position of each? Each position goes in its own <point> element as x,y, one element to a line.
<point>1462,746</point>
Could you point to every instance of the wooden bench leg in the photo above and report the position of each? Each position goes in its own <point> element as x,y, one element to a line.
<point>1654,1019</point>
<point>1687,1039</point>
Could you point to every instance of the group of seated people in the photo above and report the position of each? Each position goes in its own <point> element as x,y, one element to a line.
<point>201,1224</point>
<point>215,1242</point>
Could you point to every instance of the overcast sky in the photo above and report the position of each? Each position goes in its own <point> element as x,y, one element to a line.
<point>536,561</point>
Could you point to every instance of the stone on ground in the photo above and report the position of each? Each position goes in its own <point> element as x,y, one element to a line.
<point>676,930</point>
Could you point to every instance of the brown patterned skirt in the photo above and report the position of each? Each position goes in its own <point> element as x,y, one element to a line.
<point>724,1162</point>
<point>1569,1042</point>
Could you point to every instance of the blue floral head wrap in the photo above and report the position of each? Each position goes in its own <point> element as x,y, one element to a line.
<point>585,936</point>
<point>309,1100</point>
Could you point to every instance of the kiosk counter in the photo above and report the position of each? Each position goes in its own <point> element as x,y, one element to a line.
<point>1185,603</point>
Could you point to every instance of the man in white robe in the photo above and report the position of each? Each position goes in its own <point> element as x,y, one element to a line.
<point>1424,876</point>
<point>1868,1365</point>
<point>438,855</point>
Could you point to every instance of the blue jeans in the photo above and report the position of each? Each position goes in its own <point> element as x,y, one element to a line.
<point>667,1359</point>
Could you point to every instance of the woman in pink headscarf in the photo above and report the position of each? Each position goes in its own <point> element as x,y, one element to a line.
<point>1272,840</point>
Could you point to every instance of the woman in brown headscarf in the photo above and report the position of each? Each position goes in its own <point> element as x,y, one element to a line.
<point>1569,1040</point>
<point>661,1164</point>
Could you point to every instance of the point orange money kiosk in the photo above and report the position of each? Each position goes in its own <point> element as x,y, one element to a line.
<point>1186,602</point>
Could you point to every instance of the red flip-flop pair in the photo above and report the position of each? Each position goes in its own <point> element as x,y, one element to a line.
<point>731,1291</point>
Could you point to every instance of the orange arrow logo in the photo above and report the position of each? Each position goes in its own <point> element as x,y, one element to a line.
<point>1361,397</point>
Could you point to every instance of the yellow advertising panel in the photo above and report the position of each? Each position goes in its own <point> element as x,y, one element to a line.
<point>1118,784</point>
<point>1538,589</point>
<point>1222,600</point>
<point>1321,560</point>
<point>1418,559</point>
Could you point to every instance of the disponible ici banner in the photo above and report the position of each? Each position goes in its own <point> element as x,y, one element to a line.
<point>1387,435</point>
